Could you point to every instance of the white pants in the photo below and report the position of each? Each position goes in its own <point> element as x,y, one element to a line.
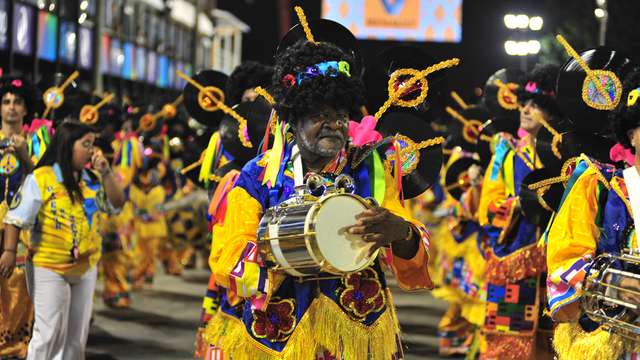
<point>63,307</point>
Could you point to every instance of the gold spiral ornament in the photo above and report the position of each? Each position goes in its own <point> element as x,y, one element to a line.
<point>506,96</point>
<point>470,127</point>
<point>411,149</point>
<point>407,79</point>
<point>597,84</point>
<point>211,97</point>
<point>148,121</point>
<point>265,94</point>
<point>89,113</point>
<point>458,99</point>
<point>53,97</point>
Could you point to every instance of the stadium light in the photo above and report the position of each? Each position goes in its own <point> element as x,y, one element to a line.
<point>522,21</point>
<point>533,47</point>
<point>535,23</point>
<point>510,21</point>
<point>510,47</point>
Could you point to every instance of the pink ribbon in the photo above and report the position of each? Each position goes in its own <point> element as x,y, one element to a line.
<point>620,153</point>
<point>38,123</point>
<point>364,132</point>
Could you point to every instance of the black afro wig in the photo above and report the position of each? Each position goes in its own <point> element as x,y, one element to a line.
<point>294,101</point>
<point>624,117</point>
<point>21,87</point>
<point>247,75</point>
<point>543,77</point>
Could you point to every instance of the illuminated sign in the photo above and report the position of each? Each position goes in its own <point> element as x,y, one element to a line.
<point>398,20</point>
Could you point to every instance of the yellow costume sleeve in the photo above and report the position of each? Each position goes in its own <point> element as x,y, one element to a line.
<point>572,242</point>
<point>239,229</point>
<point>411,273</point>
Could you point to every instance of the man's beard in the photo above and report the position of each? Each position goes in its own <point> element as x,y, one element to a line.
<point>315,148</point>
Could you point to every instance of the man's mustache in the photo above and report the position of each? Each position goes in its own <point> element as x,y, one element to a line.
<point>330,133</point>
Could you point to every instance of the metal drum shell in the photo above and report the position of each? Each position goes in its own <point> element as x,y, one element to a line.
<point>289,248</point>
<point>302,256</point>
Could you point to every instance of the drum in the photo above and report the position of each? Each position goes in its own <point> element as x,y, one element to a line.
<point>308,238</point>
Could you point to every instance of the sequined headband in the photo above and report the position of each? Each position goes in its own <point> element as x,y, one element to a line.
<point>532,88</point>
<point>326,68</point>
<point>632,99</point>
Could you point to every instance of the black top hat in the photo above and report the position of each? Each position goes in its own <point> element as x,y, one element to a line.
<point>500,92</point>
<point>540,86</point>
<point>257,114</point>
<point>572,145</point>
<point>110,114</point>
<point>456,179</point>
<point>538,205</point>
<point>194,100</point>
<point>325,30</point>
<point>419,172</point>
<point>488,130</point>
<point>378,72</point>
<point>574,101</point>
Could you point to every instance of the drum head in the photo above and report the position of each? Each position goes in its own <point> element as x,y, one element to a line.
<point>341,250</point>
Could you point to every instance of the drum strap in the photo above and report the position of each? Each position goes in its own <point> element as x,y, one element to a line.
<point>298,171</point>
<point>632,180</point>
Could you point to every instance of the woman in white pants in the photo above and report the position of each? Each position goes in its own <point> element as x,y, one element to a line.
<point>60,201</point>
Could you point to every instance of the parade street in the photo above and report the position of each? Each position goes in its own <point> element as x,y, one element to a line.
<point>161,323</point>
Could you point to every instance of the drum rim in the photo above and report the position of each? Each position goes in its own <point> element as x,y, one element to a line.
<point>311,240</point>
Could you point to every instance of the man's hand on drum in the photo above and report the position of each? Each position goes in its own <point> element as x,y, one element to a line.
<point>382,228</point>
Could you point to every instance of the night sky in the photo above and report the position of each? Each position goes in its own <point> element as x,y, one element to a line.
<point>481,50</point>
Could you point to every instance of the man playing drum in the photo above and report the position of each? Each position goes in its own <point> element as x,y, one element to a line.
<point>347,316</point>
<point>598,216</point>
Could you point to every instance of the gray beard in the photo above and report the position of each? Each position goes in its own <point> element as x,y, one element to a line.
<point>312,148</point>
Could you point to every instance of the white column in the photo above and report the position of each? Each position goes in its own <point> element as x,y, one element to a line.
<point>216,52</point>
<point>237,47</point>
<point>228,51</point>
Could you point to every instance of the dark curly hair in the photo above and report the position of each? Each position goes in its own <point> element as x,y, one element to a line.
<point>294,102</point>
<point>22,87</point>
<point>625,118</point>
<point>247,75</point>
<point>545,76</point>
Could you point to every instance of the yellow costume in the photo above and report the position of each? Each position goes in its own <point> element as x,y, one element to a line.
<point>150,229</point>
<point>117,257</point>
<point>595,217</point>
<point>298,320</point>
<point>515,262</point>
<point>16,309</point>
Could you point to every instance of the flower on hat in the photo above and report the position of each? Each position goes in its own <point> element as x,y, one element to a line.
<point>288,80</point>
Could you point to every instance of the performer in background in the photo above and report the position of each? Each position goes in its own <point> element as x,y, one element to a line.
<point>515,261</point>
<point>116,229</point>
<point>599,214</point>
<point>18,100</point>
<point>150,227</point>
<point>61,200</point>
<point>244,79</point>
<point>240,90</point>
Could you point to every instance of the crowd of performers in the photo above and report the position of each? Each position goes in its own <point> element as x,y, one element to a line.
<point>519,210</point>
